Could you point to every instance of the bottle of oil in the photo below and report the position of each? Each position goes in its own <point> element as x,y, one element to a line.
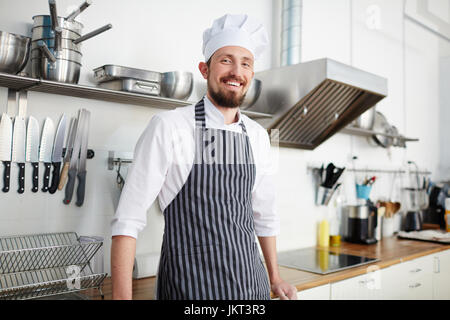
<point>324,233</point>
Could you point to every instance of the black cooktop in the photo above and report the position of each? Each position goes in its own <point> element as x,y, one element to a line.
<point>321,261</point>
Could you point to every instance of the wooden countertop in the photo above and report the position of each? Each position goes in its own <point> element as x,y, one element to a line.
<point>389,251</point>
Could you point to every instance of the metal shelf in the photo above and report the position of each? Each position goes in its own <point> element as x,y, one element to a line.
<point>90,92</point>
<point>368,133</point>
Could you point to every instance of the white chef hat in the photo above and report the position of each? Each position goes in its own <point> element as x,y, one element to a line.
<point>235,30</point>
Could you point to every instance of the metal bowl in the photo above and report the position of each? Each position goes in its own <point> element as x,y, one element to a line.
<point>252,94</point>
<point>176,85</point>
<point>14,52</point>
<point>60,71</point>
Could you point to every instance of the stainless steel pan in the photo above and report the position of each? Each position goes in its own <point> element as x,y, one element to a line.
<point>65,54</point>
<point>14,52</point>
<point>382,125</point>
<point>38,33</point>
<point>46,21</point>
<point>65,44</point>
<point>60,71</point>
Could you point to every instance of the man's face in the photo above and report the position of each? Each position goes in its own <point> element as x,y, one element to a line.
<point>228,75</point>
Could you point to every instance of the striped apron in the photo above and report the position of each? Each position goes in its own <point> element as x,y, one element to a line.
<point>209,249</point>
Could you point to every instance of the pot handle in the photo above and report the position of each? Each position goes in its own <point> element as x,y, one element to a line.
<point>43,47</point>
<point>92,33</point>
<point>79,10</point>
<point>53,14</point>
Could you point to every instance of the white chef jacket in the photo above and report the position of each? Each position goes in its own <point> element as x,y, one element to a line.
<point>163,159</point>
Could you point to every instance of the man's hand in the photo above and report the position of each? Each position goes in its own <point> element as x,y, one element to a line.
<point>284,290</point>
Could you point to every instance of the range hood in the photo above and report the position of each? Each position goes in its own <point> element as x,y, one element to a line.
<point>311,101</point>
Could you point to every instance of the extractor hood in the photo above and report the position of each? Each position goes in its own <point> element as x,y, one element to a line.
<point>311,101</point>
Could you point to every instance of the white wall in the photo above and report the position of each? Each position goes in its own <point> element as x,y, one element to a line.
<point>165,36</point>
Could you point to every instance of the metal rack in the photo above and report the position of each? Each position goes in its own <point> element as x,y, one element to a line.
<point>40,265</point>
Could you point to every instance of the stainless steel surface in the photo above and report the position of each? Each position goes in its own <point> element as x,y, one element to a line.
<point>46,147</point>
<point>132,85</point>
<point>19,140</point>
<point>62,70</point>
<point>50,42</point>
<point>44,32</point>
<point>65,54</point>
<point>291,33</point>
<point>110,72</point>
<point>44,264</point>
<point>252,94</point>
<point>79,10</point>
<point>311,101</point>
<point>366,120</point>
<point>32,150</point>
<point>176,85</point>
<point>70,139</point>
<point>46,21</point>
<point>23,103</point>
<point>92,34</point>
<point>59,140</point>
<point>382,125</point>
<point>53,14</point>
<point>58,39</point>
<point>357,212</point>
<point>14,52</point>
<point>77,142</point>
<point>84,142</point>
<point>321,261</point>
<point>6,132</point>
<point>11,109</point>
<point>45,51</point>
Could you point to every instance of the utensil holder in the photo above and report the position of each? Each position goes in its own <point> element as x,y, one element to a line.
<point>363,191</point>
<point>388,227</point>
<point>324,195</point>
<point>41,265</point>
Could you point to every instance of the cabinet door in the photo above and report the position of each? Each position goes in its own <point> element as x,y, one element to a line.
<point>441,276</point>
<point>316,293</point>
<point>363,287</point>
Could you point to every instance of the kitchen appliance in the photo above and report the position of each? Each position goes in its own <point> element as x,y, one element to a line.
<point>361,223</point>
<point>14,52</point>
<point>311,101</point>
<point>320,260</point>
<point>435,212</point>
<point>413,221</point>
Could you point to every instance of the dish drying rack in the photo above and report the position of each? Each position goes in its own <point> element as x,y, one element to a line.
<point>40,265</point>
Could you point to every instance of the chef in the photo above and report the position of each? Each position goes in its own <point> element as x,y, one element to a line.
<point>210,167</point>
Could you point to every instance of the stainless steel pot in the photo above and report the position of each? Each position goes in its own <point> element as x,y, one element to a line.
<point>366,120</point>
<point>47,33</point>
<point>14,52</point>
<point>252,94</point>
<point>65,44</point>
<point>46,21</point>
<point>65,54</point>
<point>176,85</point>
<point>60,71</point>
<point>382,125</point>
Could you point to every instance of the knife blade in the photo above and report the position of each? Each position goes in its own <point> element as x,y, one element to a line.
<point>81,175</point>
<point>69,147</point>
<point>57,153</point>
<point>45,151</point>
<point>6,131</point>
<point>32,150</point>
<point>71,174</point>
<point>18,149</point>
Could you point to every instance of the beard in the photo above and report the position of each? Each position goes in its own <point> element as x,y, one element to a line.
<point>227,99</point>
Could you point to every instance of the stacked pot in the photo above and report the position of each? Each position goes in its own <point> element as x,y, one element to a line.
<point>63,64</point>
<point>56,45</point>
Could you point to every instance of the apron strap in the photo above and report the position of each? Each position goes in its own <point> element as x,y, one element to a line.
<point>200,121</point>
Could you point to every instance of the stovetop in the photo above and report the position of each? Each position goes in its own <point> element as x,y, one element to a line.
<point>321,261</point>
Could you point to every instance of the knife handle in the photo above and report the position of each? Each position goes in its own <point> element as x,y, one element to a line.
<point>35,176</point>
<point>70,185</point>
<point>47,166</point>
<point>81,187</point>
<point>63,177</point>
<point>21,178</point>
<point>55,177</point>
<point>6,175</point>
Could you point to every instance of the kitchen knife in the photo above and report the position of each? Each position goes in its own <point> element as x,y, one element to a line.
<point>5,148</point>
<point>45,151</point>
<point>32,151</point>
<point>71,174</point>
<point>57,153</point>
<point>69,147</point>
<point>81,175</point>
<point>18,149</point>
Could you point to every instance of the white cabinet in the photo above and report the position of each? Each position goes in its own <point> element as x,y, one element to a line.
<point>364,287</point>
<point>316,293</point>
<point>441,275</point>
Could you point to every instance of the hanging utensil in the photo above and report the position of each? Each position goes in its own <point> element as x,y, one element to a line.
<point>69,147</point>
<point>92,34</point>
<point>32,151</point>
<point>57,153</point>
<point>45,151</point>
<point>81,174</point>
<point>6,131</point>
<point>79,10</point>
